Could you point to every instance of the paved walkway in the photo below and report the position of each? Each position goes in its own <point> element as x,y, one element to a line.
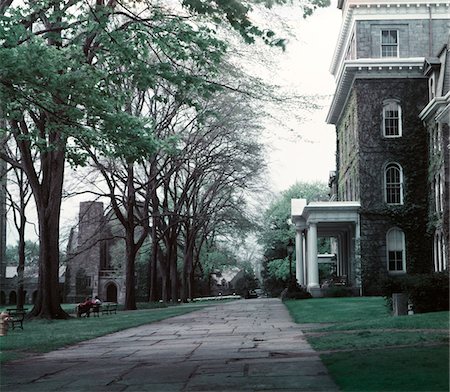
<point>246,345</point>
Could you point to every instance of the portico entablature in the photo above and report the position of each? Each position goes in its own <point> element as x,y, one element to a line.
<point>316,212</point>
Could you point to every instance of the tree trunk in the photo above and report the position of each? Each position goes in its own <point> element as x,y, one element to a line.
<point>130,290</point>
<point>152,267</point>
<point>48,196</point>
<point>21,267</point>
<point>164,280</point>
<point>48,302</point>
<point>173,271</point>
<point>190,277</point>
<point>186,283</point>
<point>131,248</point>
<point>21,245</point>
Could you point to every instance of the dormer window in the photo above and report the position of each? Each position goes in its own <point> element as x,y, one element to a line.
<point>392,119</point>
<point>389,43</point>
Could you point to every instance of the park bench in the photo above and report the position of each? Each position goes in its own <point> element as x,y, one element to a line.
<point>109,307</point>
<point>96,310</point>
<point>16,317</point>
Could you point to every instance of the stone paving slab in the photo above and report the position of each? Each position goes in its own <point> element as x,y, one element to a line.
<point>246,345</point>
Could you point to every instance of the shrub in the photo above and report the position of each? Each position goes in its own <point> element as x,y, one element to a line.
<point>427,292</point>
<point>295,291</point>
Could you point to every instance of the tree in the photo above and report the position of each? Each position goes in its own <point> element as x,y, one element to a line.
<point>65,69</point>
<point>18,202</point>
<point>62,92</point>
<point>277,231</point>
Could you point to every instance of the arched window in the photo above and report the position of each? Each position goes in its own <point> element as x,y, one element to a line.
<point>437,252</point>
<point>392,119</point>
<point>395,245</point>
<point>393,180</point>
<point>440,252</point>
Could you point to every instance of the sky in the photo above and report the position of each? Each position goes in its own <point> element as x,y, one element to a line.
<point>299,150</point>
<point>308,152</point>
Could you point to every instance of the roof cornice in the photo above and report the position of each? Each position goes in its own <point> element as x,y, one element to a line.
<point>435,108</point>
<point>385,68</point>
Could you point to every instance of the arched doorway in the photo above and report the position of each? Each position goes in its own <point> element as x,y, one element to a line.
<point>111,292</point>
<point>2,298</point>
<point>12,298</point>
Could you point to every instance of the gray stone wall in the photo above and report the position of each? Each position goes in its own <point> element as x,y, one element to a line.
<point>414,37</point>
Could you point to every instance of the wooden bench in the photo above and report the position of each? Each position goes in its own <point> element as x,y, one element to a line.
<point>109,308</point>
<point>96,310</point>
<point>16,317</point>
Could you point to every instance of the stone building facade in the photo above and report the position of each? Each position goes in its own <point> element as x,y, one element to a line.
<point>92,268</point>
<point>436,117</point>
<point>392,143</point>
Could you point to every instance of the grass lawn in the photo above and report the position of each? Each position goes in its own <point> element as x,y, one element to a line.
<point>48,335</point>
<point>367,349</point>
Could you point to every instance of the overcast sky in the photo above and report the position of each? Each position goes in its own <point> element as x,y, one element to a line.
<point>308,153</point>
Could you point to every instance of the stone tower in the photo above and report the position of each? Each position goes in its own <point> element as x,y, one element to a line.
<point>84,254</point>
<point>93,269</point>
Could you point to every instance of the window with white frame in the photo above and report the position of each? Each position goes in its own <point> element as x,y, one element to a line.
<point>393,180</point>
<point>389,43</point>
<point>395,245</point>
<point>392,119</point>
<point>437,252</point>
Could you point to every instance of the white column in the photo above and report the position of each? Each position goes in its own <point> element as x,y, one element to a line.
<point>313,266</point>
<point>305,257</point>
<point>299,273</point>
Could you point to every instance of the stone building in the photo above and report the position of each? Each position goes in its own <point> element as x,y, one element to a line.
<point>389,214</point>
<point>436,116</point>
<point>92,267</point>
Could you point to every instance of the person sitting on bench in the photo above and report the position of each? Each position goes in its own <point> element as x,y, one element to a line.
<point>85,307</point>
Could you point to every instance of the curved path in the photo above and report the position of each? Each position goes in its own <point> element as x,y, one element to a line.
<point>246,345</point>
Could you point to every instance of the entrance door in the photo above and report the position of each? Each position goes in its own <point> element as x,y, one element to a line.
<point>111,293</point>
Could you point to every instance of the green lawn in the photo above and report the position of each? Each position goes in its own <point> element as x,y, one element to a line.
<point>367,349</point>
<point>47,335</point>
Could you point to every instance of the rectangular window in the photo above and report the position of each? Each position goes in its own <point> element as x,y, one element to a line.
<point>389,43</point>
<point>395,260</point>
<point>391,122</point>
<point>392,119</point>
<point>395,241</point>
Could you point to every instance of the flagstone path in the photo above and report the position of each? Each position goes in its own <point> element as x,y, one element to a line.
<point>244,345</point>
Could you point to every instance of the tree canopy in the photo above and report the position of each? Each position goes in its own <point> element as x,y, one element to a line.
<point>74,75</point>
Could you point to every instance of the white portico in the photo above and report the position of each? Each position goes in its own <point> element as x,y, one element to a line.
<point>339,220</point>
